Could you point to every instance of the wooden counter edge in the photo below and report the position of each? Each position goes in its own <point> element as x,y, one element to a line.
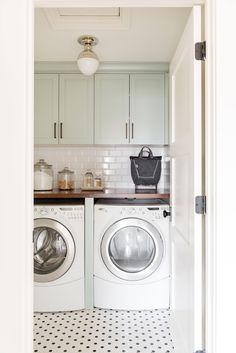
<point>108,193</point>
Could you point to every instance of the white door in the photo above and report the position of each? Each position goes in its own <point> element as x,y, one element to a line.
<point>186,184</point>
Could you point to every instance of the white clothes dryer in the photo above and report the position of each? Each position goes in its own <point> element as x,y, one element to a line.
<point>131,256</point>
<point>58,257</point>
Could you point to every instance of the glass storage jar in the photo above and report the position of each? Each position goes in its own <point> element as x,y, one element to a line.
<point>88,180</point>
<point>97,181</point>
<point>43,176</point>
<point>66,179</point>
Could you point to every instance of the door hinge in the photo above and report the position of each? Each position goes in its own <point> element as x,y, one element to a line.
<point>200,51</point>
<point>200,207</point>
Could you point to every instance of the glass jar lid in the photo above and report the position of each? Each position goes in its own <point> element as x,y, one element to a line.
<point>42,164</point>
<point>88,173</point>
<point>66,171</point>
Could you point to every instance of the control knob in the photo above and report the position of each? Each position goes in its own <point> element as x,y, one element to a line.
<point>43,212</point>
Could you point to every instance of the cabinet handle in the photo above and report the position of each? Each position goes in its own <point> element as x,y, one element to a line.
<point>61,130</point>
<point>126,130</point>
<point>132,130</point>
<point>55,130</point>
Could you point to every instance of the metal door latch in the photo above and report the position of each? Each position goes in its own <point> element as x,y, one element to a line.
<point>166,214</point>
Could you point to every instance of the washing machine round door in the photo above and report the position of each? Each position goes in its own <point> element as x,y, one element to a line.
<point>132,249</point>
<point>54,250</point>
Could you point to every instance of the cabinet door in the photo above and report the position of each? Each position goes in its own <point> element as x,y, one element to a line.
<point>112,108</point>
<point>76,109</point>
<point>147,108</point>
<point>46,108</point>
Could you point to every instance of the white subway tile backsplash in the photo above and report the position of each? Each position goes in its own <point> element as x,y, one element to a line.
<point>101,166</point>
<point>123,171</point>
<point>109,172</point>
<point>112,163</point>
<point>115,166</point>
<point>115,153</point>
<point>110,159</point>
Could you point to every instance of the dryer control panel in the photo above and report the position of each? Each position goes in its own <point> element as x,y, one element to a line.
<point>155,212</point>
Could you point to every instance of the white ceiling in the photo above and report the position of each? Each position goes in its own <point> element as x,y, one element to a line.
<point>149,34</point>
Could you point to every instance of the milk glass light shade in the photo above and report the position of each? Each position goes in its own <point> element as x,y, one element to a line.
<point>87,60</point>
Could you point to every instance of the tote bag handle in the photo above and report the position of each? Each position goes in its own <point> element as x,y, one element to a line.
<point>147,150</point>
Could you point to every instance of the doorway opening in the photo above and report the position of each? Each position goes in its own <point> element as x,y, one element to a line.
<point>180,326</point>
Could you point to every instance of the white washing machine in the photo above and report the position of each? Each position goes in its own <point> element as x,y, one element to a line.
<point>131,256</point>
<point>58,257</point>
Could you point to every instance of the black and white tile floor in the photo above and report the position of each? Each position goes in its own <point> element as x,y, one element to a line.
<point>103,331</point>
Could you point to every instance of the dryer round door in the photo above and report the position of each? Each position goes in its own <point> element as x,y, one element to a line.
<point>132,249</point>
<point>54,250</point>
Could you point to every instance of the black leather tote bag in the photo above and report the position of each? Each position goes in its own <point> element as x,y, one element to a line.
<point>145,168</point>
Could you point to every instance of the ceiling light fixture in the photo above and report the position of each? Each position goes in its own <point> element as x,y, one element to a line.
<point>87,60</point>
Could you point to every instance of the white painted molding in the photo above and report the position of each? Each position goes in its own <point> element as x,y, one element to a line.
<point>89,230</point>
<point>210,172</point>
<point>166,139</point>
<point>16,151</point>
<point>221,175</point>
<point>71,67</point>
<point>116,3</point>
<point>223,108</point>
<point>59,22</point>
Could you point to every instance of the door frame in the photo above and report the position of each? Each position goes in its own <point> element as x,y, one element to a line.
<point>18,83</point>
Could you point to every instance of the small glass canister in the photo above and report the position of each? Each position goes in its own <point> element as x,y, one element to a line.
<point>97,181</point>
<point>43,176</point>
<point>66,179</point>
<point>88,180</point>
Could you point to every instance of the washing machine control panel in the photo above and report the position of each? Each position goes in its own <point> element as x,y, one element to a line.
<point>71,213</point>
<point>43,212</point>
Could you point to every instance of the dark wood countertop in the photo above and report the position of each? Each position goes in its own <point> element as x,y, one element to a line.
<point>107,193</point>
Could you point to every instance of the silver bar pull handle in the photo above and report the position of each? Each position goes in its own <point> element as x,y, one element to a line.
<point>132,130</point>
<point>55,130</point>
<point>61,130</point>
<point>126,130</point>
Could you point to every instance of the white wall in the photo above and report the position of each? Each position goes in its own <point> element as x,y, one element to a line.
<point>16,120</point>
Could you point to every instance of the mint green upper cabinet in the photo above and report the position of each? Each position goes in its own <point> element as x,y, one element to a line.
<point>73,122</point>
<point>76,109</point>
<point>111,108</point>
<point>108,108</point>
<point>147,108</point>
<point>46,108</point>
<point>131,108</point>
